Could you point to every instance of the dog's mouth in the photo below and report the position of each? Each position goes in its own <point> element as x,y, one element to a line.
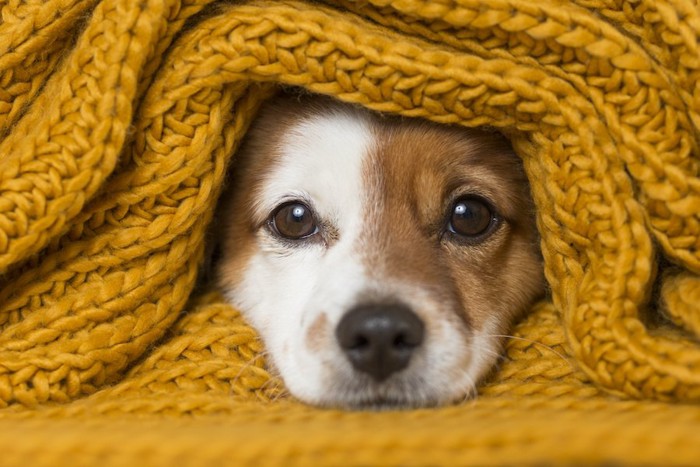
<point>393,402</point>
<point>388,404</point>
<point>400,392</point>
<point>380,404</point>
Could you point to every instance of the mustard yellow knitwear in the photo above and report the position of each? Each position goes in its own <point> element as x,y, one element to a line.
<point>118,120</point>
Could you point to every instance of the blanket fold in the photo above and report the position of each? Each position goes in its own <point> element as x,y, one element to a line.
<point>118,120</point>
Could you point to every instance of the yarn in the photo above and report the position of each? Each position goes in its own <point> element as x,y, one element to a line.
<point>118,120</point>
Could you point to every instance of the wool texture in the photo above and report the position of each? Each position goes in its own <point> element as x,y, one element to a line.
<point>118,121</point>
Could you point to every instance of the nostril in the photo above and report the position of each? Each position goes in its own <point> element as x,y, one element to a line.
<point>403,342</point>
<point>380,339</point>
<point>359,343</point>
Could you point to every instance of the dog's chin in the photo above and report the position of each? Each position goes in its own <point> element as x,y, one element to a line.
<point>390,403</point>
<point>360,393</point>
<point>385,405</point>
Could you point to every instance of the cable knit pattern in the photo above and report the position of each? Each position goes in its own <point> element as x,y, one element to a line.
<point>118,120</point>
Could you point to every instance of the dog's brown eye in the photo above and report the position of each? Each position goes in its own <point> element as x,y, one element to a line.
<point>294,221</point>
<point>470,217</point>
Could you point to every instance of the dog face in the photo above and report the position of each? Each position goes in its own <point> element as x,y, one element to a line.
<point>379,258</point>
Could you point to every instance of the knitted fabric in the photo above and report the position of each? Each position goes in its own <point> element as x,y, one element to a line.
<point>118,120</point>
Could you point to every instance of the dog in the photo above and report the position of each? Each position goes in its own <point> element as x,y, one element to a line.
<point>381,259</point>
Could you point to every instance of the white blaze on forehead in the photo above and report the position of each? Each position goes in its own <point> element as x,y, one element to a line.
<point>321,162</point>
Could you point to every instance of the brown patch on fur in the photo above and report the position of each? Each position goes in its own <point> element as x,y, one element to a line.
<point>317,333</point>
<point>414,175</point>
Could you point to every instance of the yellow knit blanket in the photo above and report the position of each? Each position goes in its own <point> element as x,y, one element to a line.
<point>118,119</point>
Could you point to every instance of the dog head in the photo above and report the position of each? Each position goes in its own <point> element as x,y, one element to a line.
<point>381,259</point>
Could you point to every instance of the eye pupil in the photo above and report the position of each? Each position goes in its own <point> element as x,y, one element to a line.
<point>470,217</point>
<point>294,221</point>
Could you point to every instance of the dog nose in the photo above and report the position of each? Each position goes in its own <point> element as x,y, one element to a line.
<point>380,339</point>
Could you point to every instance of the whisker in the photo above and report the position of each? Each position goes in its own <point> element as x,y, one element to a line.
<point>281,390</point>
<point>498,355</point>
<point>471,393</point>
<point>272,380</point>
<point>274,384</point>
<point>247,365</point>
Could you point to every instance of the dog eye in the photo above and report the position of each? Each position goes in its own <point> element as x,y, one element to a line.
<point>293,221</point>
<point>470,217</point>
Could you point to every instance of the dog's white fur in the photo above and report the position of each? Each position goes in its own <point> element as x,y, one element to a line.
<point>285,290</point>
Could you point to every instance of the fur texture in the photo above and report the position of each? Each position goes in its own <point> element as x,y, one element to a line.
<point>381,190</point>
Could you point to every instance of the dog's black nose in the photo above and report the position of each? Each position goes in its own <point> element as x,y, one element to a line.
<point>380,339</point>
